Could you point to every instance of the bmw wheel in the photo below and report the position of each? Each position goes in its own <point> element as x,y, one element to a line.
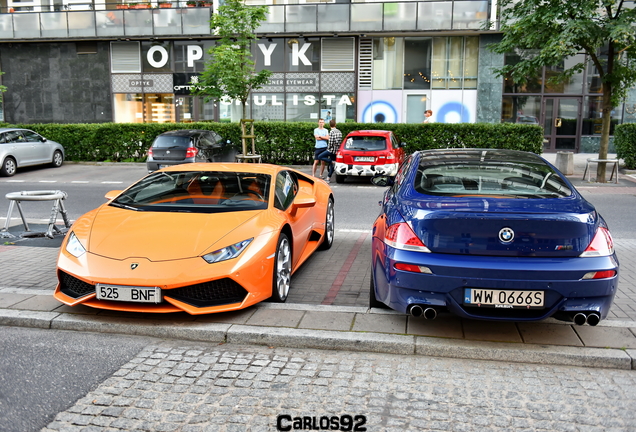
<point>58,159</point>
<point>329,227</point>
<point>8,167</point>
<point>282,270</point>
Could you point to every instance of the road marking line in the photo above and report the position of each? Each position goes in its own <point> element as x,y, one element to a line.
<point>79,181</point>
<point>47,181</point>
<point>15,181</point>
<point>344,270</point>
<point>111,182</point>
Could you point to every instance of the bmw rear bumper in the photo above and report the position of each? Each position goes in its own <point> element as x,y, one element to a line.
<point>566,293</point>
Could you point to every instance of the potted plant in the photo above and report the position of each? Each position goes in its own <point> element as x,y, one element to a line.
<point>122,6</point>
<point>191,3</point>
<point>132,5</point>
<point>165,4</point>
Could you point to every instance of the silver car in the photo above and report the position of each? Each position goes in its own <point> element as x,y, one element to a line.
<point>23,147</point>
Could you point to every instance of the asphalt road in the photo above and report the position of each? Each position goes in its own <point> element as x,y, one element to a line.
<point>43,372</point>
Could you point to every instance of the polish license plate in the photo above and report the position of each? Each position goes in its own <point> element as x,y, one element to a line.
<point>128,293</point>
<point>364,159</point>
<point>506,299</point>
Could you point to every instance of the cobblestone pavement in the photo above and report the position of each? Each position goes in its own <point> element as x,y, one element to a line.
<point>176,386</point>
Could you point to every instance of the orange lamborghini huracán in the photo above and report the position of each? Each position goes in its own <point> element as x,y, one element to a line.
<point>198,238</point>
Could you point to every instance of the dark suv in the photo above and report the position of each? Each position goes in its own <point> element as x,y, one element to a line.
<point>188,146</point>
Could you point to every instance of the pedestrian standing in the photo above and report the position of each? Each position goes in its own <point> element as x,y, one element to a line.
<point>322,137</point>
<point>329,155</point>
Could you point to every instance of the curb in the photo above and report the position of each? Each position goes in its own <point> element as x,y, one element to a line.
<point>609,358</point>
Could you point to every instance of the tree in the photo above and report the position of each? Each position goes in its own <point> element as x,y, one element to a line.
<point>2,88</point>
<point>230,70</point>
<point>545,32</point>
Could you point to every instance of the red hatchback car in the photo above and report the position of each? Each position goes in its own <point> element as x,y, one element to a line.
<point>367,153</point>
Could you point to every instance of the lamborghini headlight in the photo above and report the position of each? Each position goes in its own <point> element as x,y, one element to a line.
<point>227,253</point>
<point>74,247</point>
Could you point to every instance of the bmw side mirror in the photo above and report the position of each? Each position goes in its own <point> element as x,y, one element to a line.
<point>382,180</point>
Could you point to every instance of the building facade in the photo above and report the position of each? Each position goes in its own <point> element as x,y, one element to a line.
<point>89,62</point>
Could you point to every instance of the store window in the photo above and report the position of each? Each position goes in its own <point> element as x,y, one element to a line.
<point>190,56</point>
<point>417,63</point>
<point>573,85</point>
<point>159,108</point>
<point>303,107</point>
<point>593,113</point>
<point>455,59</point>
<point>128,108</point>
<point>155,57</point>
<point>268,106</point>
<point>388,54</point>
<point>531,85</point>
<point>521,109</point>
<point>416,105</point>
<point>302,54</point>
<point>340,106</point>
<point>232,111</point>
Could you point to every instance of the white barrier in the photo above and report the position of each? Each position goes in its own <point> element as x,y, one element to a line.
<point>51,195</point>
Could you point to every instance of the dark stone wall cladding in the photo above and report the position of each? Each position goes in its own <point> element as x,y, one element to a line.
<point>52,83</point>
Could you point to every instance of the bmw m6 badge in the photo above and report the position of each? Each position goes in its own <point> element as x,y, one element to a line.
<point>506,235</point>
<point>134,266</point>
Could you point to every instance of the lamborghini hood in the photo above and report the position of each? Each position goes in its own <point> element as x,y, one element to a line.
<point>120,234</point>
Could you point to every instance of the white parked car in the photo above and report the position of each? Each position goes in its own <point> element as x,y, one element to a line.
<point>23,147</point>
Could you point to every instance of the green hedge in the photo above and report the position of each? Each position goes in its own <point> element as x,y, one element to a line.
<point>280,142</point>
<point>625,144</point>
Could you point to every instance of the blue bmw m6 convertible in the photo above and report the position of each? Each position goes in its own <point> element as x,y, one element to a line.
<point>490,234</point>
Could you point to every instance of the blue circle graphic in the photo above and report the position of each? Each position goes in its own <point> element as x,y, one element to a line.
<point>379,112</point>
<point>454,107</point>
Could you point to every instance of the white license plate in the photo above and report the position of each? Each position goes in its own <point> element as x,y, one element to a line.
<point>506,299</point>
<point>128,293</point>
<point>365,159</point>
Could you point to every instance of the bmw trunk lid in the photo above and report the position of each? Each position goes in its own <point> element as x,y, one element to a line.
<point>502,227</point>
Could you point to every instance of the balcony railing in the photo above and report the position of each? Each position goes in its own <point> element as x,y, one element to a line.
<point>281,19</point>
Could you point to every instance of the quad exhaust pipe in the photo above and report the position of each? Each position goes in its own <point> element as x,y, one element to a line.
<point>419,311</point>
<point>589,319</point>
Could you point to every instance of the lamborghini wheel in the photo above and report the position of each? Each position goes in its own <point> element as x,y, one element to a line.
<point>329,227</point>
<point>282,270</point>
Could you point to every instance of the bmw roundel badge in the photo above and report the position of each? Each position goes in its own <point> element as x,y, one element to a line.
<point>506,235</point>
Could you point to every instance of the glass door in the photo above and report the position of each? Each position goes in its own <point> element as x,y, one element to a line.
<point>561,123</point>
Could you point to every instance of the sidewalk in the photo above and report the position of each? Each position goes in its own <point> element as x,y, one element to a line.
<point>28,279</point>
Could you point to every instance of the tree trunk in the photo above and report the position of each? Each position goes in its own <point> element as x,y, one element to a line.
<point>605,132</point>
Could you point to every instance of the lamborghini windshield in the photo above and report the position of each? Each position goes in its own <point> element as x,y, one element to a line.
<point>197,192</point>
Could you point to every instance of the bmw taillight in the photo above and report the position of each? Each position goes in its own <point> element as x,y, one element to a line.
<point>601,245</point>
<point>401,236</point>
<point>150,152</point>
<point>191,152</point>
<point>604,274</point>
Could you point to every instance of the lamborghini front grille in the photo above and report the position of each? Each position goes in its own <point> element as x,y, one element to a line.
<point>73,287</point>
<point>213,293</point>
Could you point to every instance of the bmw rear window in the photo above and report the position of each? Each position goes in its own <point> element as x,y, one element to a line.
<point>365,143</point>
<point>167,141</point>
<point>197,192</point>
<point>490,178</point>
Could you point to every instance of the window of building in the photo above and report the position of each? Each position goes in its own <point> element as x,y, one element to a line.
<point>573,85</point>
<point>455,59</point>
<point>340,106</point>
<point>303,107</point>
<point>125,57</point>
<point>417,63</point>
<point>268,106</point>
<point>532,85</point>
<point>155,56</point>
<point>388,54</point>
<point>128,108</point>
<point>521,109</point>
<point>593,113</point>
<point>302,54</point>
<point>190,56</point>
